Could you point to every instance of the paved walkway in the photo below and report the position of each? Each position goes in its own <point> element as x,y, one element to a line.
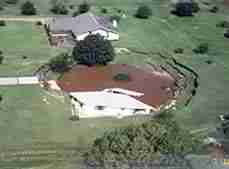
<point>26,19</point>
<point>27,80</point>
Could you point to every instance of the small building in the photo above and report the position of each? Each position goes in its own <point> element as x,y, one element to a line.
<point>97,92</point>
<point>102,104</point>
<point>68,29</point>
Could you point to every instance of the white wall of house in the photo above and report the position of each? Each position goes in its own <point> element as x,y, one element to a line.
<point>87,111</point>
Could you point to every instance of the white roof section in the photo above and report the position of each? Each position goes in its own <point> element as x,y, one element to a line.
<point>108,99</point>
<point>124,91</point>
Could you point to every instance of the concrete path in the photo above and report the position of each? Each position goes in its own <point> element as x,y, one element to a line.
<point>29,80</point>
<point>26,19</point>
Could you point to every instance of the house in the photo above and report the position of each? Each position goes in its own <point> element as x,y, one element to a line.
<point>63,30</point>
<point>94,91</point>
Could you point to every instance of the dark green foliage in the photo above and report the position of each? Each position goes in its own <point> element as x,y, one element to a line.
<point>39,23</point>
<point>122,76</point>
<point>143,12</point>
<point>104,10</point>
<point>60,63</point>
<point>141,143</point>
<point>94,49</point>
<point>179,50</point>
<point>214,9</point>
<point>59,9</point>
<point>76,13</point>
<point>209,62</point>
<point>186,8</point>
<point>195,7</point>
<point>13,2</point>
<point>84,7</point>
<point>226,34</point>
<point>2,23</point>
<point>1,98</point>
<point>202,48</point>
<point>28,8</point>
<point>71,6</point>
<point>1,59</point>
<point>223,24</point>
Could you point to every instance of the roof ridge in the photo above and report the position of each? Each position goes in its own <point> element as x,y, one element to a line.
<point>94,18</point>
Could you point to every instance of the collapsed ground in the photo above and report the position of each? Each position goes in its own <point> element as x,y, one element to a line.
<point>24,113</point>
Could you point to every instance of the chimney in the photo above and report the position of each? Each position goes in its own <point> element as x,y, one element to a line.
<point>115,24</point>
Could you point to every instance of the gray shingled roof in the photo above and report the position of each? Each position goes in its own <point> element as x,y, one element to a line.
<point>81,24</point>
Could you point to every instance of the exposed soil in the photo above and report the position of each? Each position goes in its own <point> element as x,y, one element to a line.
<point>154,85</point>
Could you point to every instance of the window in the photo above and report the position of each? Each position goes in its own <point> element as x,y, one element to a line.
<point>99,107</point>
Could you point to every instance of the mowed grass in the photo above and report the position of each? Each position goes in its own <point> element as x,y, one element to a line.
<point>163,33</point>
<point>25,119</point>
<point>20,39</point>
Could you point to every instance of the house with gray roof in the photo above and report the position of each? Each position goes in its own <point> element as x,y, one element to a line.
<point>63,31</point>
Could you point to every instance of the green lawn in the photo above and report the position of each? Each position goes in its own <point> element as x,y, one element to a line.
<point>20,39</point>
<point>26,120</point>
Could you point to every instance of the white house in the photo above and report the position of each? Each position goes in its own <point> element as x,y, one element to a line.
<point>67,29</point>
<point>103,103</point>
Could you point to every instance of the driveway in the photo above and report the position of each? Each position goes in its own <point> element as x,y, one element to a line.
<point>26,80</point>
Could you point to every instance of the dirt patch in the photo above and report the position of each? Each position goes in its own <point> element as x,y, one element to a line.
<point>226,2</point>
<point>154,85</point>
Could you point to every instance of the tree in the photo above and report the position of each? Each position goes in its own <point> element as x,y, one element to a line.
<point>143,12</point>
<point>94,49</point>
<point>59,7</point>
<point>60,63</point>
<point>84,7</point>
<point>28,8</point>
<point>223,24</point>
<point>2,23</point>
<point>202,48</point>
<point>186,8</point>
<point>214,9</point>
<point>226,34</point>
<point>155,140</point>
<point>1,59</point>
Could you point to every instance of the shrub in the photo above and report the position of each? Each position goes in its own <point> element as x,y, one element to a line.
<point>186,8</point>
<point>60,9</point>
<point>24,57</point>
<point>84,7</point>
<point>143,12</point>
<point>76,13</point>
<point>28,8</point>
<point>1,59</point>
<point>209,62</point>
<point>202,48</point>
<point>93,50</point>
<point>104,10</point>
<point>39,23</point>
<point>71,6</point>
<point>223,24</point>
<point>226,34</point>
<point>1,52</point>
<point>1,98</point>
<point>60,63</point>
<point>179,50</point>
<point>122,77</point>
<point>2,23</point>
<point>214,9</point>
<point>11,2</point>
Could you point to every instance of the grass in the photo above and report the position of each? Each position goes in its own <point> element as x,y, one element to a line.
<point>29,121</point>
<point>20,39</point>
